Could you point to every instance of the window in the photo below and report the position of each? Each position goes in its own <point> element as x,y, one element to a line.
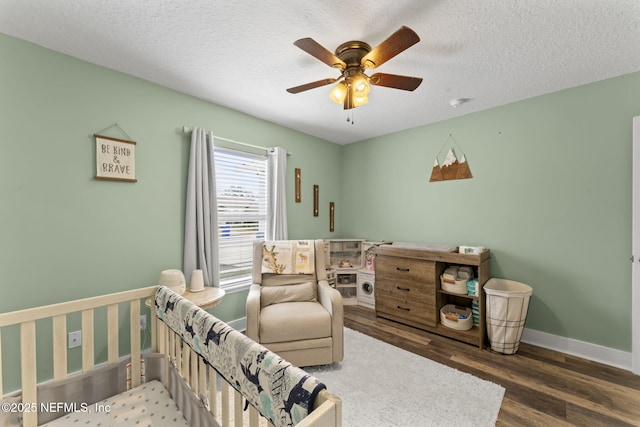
<point>241,188</point>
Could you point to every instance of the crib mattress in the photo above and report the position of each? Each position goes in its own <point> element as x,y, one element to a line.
<point>146,405</point>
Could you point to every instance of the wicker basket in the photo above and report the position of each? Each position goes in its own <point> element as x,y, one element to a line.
<point>456,317</point>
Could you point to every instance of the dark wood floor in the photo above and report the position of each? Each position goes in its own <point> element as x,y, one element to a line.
<point>543,387</point>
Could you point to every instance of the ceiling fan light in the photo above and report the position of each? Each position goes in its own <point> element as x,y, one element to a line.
<point>361,86</point>
<point>360,100</point>
<point>339,93</point>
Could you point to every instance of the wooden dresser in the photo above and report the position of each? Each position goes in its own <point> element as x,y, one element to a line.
<point>407,289</point>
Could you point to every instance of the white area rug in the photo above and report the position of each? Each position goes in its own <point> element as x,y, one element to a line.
<point>382,386</point>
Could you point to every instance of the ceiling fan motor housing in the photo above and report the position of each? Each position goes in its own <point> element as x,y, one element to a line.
<point>352,52</point>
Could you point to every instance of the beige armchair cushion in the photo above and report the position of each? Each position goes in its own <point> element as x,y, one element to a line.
<point>288,293</point>
<point>277,325</point>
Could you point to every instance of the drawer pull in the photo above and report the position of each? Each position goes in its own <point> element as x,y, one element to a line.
<point>404,308</point>
<point>406,270</point>
<point>403,289</point>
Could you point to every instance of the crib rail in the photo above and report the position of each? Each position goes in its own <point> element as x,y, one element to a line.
<point>27,318</point>
<point>201,378</point>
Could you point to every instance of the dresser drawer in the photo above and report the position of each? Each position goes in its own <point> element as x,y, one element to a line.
<point>412,270</point>
<point>411,310</point>
<point>416,291</point>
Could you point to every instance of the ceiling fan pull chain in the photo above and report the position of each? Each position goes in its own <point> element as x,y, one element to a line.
<point>349,102</point>
<point>350,115</point>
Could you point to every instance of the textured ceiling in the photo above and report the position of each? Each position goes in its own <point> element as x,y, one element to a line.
<point>240,54</point>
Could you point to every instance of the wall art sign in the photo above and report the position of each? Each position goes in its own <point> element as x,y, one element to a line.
<point>332,218</point>
<point>316,198</point>
<point>298,178</point>
<point>452,167</point>
<point>115,159</point>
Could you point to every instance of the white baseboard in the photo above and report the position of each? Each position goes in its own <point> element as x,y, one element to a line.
<point>597,353</point>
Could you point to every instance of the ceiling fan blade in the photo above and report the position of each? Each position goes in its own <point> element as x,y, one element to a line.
<point>316,50</point>
<point>399,41</point>
<point>395,81</point>
<point>311,85</point>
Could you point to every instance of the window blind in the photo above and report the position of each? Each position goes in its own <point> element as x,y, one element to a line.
<point>241,188</point>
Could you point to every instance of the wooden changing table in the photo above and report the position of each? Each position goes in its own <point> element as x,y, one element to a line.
<point>407,289</point>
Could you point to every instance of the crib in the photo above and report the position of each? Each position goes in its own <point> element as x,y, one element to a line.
<point>212,374</point>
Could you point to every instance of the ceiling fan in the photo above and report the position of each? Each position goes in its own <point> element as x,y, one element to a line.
<point>352,58</point>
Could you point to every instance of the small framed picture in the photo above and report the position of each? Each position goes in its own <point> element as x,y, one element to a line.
<point>115,159</point>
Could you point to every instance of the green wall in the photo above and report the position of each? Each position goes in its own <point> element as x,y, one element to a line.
<point>550,196</point>
<point>551,193</point>
<point>65,235</point>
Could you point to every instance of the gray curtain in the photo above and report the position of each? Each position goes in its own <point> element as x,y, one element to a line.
<point>201,213</point>
<point>276,197</point>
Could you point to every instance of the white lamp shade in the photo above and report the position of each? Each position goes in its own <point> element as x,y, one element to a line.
<point>174,280</point>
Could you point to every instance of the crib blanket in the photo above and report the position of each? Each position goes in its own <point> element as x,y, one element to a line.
<point>281,392</point>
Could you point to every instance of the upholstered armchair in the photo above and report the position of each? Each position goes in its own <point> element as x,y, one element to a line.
<point>291,309</point>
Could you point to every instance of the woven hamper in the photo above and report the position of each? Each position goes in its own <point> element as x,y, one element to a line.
<point>506,313</point>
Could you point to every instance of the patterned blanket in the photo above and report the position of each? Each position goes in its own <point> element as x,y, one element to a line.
<point>281,392</point>
<point>288,257</point>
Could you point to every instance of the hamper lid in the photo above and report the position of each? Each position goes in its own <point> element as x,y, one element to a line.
<point>507,288</point>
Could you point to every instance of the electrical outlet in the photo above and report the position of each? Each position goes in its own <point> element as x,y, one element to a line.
<point>75,339</point>
<point>143,322</point>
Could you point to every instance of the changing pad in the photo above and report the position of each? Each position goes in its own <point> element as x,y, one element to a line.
<point>144,406</point>
<point>425,247</point>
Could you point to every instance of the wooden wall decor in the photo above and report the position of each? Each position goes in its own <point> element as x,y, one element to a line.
<point>316,190</point>
<point>298,177</point>
<point>332,210</point>
<point>452,167</point>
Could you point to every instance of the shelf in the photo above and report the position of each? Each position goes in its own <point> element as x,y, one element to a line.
<point>348,250</point>
<point>440,291</point>
<point>471,336</point>
<point>350,301</point>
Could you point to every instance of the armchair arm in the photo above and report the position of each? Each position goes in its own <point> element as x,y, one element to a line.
<point>328,296</point>
<point>253,312</point>
<point>331,300</point>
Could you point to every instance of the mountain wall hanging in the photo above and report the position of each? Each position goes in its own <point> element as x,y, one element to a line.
<point>452,167</point>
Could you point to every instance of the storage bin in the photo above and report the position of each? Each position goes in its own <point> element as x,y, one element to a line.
<point>506,312</point>
<point>462,324</point>
<point>459,287</point>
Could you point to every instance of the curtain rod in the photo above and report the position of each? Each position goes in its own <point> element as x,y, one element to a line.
<point>188,130</point>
